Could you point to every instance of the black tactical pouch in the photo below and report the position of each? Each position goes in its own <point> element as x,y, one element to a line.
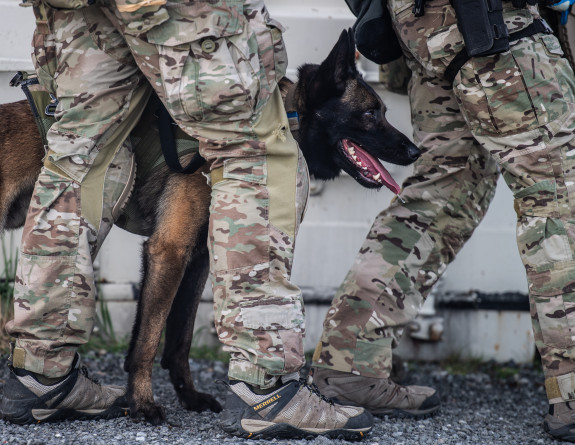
<point>481,24</point>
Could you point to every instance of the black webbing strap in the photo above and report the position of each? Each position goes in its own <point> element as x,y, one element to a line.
<point>538,26</point>
<point>169,149</point>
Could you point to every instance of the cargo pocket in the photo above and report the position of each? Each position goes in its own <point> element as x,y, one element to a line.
<point>273,53</point>
<point>547,76</point>
<point>44,59</point>
<point>252,169</point>
<point>431,46</point>
<point>537,200</point>
<point>209,55</point>
<point>239,211</point>
<point>278,325</point>
<point>548,259</point>
<point>550,293</point>
<point>53,217</point>
<point>272,314</point>
<point>443,45</point>
<point>139,16</point>
<point>522,89</point>
<point>35,275</point>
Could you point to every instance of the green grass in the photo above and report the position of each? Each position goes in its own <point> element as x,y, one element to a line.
<point>209,353</point>
<point>457,365</point>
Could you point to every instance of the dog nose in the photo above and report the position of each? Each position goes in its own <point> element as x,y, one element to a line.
<point>413,151</point>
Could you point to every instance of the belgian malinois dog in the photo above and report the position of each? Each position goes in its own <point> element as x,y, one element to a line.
<point>342,126</point>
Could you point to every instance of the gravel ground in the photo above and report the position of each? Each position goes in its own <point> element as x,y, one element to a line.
<point>485,407</point>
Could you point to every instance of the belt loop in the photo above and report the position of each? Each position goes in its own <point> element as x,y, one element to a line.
<point>42,25</point>
<point>217,175</point>
<point>18,356</point>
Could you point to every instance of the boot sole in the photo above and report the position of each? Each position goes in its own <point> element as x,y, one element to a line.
<point>562,433</point>
<point>406,414</point>
<point>286,431</point>
<point>21,412</point>
<point>232,424</point>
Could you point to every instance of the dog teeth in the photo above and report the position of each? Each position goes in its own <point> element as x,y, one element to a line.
<point>377,177</point>
<point>351,151</point>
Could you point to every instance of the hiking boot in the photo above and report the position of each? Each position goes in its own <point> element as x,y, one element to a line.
<point>560,422</point>
<point>381,397</point>
<point>293,410</point>
<point>76,396</point>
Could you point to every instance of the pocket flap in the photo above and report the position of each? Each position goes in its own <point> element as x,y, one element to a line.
<point>537,199</point>
<point>273,314</point>
<point>191,22</point>
<point>445,42</point>
<point>139,16</point>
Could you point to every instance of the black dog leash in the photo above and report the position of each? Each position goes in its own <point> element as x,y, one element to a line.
<point>168,144</point>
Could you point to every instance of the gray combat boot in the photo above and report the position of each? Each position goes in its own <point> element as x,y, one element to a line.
<point>381,397</point>
<point>28,400</point>
<point>560,422</point>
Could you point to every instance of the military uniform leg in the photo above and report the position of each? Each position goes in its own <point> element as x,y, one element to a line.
<point>237,115</point>
<point>86,171</point>
<point>410,245</point>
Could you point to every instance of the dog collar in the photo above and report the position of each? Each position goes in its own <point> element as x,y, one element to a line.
<point>292,114</point>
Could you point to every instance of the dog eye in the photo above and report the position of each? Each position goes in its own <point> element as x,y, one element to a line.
<point>370,113</point>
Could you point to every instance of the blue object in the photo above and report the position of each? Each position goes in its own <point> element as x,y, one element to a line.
<point>563,6</point>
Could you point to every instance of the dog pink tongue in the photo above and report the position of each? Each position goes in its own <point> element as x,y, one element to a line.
<point>375,171</point>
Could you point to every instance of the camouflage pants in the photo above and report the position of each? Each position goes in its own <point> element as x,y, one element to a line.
<point>215,65</point>
<point>513,112</point>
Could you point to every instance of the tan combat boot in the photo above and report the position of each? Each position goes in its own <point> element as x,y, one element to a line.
<point>560,422</point>
<point>381,397</point>
<point>30,398</point>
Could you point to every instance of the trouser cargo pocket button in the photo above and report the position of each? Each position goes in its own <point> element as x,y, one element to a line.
<point>208,46</point>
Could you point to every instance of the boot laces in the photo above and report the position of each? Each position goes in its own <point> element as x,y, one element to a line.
<point>84,372</point>
<point>311,387</point>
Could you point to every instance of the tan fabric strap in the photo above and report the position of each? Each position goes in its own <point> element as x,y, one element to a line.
<point>561,388</point>
<point>42,25</point>
<point>135,6</point>
<point>217,175</point>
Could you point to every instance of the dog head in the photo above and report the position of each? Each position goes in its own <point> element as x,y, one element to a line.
<point>343,124</point>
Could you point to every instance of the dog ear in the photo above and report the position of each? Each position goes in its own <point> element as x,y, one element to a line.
<point>339,66</point>
<point>333,73</point>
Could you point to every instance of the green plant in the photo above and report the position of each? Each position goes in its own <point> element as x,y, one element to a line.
<point>209,353</point>
<point>458,365</point>
<point>104,321</point>
<point>7,275</point>
<point>505,372</point>
<point>199,351</point>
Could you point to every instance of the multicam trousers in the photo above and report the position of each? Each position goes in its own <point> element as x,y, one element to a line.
<point>215,65</point>
<point>513,112</point>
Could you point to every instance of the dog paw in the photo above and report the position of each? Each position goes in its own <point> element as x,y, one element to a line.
<point>149,412</point>
<point>193,400</point>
